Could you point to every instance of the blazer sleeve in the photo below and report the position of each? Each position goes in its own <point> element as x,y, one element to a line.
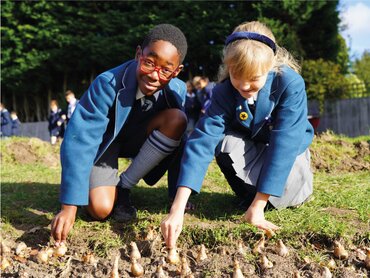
<point>200,147</point>
<point>285,139</point>
<point>83,136</point>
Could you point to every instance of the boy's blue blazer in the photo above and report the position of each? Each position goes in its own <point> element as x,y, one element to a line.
<point>280,120</point>
<point>109,98</point>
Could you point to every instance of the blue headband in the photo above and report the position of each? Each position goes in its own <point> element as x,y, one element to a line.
<point>251,36</point>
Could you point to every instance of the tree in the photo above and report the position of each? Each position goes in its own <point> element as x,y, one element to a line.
<point>361,68</point>
<point>51,46</point>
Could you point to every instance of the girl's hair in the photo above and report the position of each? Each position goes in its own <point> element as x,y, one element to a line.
<point>247,58</point>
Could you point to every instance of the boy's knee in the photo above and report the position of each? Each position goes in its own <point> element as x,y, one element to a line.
<point>176,118</point>
<point>171,122</point>
<point>100,211</point>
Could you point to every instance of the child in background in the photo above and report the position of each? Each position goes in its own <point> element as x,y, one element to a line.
<point>6,122</point>
<point>256,126</point>
<point>192,107</point>
<point>16,123</point>
<point>55,122</point>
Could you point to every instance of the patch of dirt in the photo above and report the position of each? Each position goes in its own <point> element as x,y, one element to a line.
<point>331,154</point>
<point>75,262</point>
<point>30,151</point>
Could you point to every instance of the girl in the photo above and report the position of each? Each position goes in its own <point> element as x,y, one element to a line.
<point>256,126</point>
<point>55,122</point>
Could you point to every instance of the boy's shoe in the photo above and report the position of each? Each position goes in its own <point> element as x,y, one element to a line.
<point>124,210</point>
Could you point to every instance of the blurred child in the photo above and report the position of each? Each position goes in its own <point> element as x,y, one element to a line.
<point>256,126</point>
<point>55,122</point>
<point>72,103</point>
<point>16,123</point>
<point>192,107</point>
<point>6,122</point>
<point>204,91</point>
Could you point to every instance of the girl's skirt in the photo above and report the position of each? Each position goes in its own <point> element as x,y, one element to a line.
<point>248,157</point>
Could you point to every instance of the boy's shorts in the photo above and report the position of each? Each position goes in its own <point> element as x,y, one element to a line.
<point>105,170</point>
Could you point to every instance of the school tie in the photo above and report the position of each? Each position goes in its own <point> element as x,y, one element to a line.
<point>147,103</point>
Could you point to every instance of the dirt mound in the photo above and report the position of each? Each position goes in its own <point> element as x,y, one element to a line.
<point>331,153</point>
<point>30,151</point>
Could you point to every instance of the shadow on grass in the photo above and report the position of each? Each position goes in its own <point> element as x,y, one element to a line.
<point>210,205</point>
<point>25,204</point>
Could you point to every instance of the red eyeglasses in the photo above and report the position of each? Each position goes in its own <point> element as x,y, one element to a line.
<point>164,74</point>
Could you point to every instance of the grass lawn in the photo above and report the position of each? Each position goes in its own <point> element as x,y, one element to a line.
<point>340,208</point>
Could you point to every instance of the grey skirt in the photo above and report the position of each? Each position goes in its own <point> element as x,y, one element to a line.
<point>248,158</point>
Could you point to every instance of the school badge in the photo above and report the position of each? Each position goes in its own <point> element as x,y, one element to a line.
<point>243,116</point>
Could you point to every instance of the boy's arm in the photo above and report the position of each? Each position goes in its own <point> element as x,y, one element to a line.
<point>62,223</point>
<point>83,138</point>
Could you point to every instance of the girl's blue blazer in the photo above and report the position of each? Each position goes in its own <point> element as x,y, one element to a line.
<point>280,121</point>
<point>109,98</point>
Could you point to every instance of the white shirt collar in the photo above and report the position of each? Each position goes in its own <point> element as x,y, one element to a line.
<point>140,95</point>
<point>252,99</point>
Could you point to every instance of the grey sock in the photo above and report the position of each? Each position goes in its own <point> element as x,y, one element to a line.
<point>153,151</point>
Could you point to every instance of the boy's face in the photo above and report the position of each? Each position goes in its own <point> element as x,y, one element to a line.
<point>69,98</point>
<point>164,57</point>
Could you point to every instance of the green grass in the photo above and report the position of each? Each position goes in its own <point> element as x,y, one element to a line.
<point>340,209</point>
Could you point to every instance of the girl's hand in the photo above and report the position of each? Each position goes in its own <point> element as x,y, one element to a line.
<point>171,226</point>
<point>256,217</point>
<point>255,214</point>
<point>62,223</point>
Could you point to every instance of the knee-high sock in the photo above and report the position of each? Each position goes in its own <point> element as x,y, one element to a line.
<point>154,150</point>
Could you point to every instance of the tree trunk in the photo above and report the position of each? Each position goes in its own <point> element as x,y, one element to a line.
<point>26,109</point>
<point>65,82</point>
<point>14,104</point>
<point>38,108</point>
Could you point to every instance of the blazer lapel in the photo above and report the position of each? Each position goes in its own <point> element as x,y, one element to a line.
<point>243,114</point>
<point>125,96</point>
<point>265,104</point>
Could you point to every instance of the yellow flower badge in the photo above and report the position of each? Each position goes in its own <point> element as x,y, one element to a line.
<point>243,116</point>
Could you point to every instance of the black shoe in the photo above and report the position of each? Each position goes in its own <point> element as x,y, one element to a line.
<point>124,210</point>
<point>123,213</point>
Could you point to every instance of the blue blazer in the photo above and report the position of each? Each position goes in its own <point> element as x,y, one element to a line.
<point>6,123</point>
<point>280,121</point>
<point>109,98</point>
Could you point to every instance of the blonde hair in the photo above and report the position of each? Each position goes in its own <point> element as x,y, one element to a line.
<point>248,58</point>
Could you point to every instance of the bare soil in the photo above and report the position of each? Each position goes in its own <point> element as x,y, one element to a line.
<point>339,155</point>
<point>76,264</point>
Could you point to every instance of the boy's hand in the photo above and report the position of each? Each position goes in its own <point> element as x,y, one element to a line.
<point>62,223</point>
<point>255,214</point>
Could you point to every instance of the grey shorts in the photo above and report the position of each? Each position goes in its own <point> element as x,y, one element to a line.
<point>105,170</point>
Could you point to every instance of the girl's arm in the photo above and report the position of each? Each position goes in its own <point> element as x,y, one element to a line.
<point>171,226</point>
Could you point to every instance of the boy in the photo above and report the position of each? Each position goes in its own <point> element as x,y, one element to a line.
<point>72,103</point>
<point>16,123</point>
<point>6,122</point>
<point>134,110</point>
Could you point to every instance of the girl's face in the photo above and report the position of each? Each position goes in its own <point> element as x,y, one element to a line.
<point>248,87</point>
